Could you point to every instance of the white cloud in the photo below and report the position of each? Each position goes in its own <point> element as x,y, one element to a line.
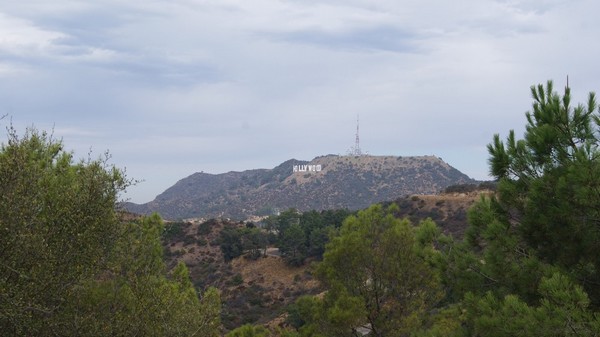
<point>22,38</point>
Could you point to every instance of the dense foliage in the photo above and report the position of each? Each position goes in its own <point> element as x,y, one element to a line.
<point>550,183</point>
<point>248,241</point>
<point>304,235</point>
<point>70,267</point>
<point>298,236</point>
<point>527,266</point>
<point>376,276</point>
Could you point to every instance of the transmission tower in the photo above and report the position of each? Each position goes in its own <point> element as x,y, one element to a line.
<point>357,151</point>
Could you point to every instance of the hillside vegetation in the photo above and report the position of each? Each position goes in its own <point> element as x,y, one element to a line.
<point>526,264</point>
<point>344,182</point>
<point>259,289</point>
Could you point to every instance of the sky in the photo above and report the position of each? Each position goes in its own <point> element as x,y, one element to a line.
<point>175,87</point>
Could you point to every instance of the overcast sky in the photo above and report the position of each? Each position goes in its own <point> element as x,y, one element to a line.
<point>176,87</point>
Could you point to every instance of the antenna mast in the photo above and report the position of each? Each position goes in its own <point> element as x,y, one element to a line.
<point>357,151</point>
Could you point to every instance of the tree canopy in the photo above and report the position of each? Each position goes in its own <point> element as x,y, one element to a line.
<point>528,264</point>
<point>549,184</point>
<point>69,265</point>
<point>377,279</point>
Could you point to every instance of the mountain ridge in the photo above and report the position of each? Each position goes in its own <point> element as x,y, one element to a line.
<point>325,182</point>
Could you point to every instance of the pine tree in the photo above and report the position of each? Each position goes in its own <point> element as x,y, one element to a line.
<point>549,184</point>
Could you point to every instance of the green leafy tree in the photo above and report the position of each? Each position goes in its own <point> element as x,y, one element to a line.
<point>70,267</point>
<point>377,279</point>
<point>58,226</point>
<point>136,286</point>
<point>249,330</point>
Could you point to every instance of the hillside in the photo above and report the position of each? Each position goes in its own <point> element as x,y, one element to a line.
<point>251,290</point>
<point>326,182</point>
<point>448,210</point>
<point>258,291</point>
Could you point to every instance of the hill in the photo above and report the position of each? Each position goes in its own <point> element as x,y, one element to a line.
<point>251,290</point>
<point>326,182</point>
<point>447,209</point>
<point>258,291</point>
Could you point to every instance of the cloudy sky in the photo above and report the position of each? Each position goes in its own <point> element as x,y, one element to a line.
<point>176,87</point>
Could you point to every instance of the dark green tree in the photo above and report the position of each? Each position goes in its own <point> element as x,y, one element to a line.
<point>293,245</point>
<point>562,311</point>
<point>311,220</point>
<point>286,219</point>
<point>549,184</point>
<point>316,227</point>
<point>230,241</point>
<point>317,240</point>
<point>254,242</point>
<point>492,258</point>
<point>528,264</point>
<point>319,226</point>
<point>238,241</point>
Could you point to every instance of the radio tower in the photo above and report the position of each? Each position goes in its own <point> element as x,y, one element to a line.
<point>357,151</point>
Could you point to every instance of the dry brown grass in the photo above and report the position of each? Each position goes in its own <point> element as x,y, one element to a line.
<point>271,270</point>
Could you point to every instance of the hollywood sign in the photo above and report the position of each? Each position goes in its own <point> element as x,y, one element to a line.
<point>306,168</point>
